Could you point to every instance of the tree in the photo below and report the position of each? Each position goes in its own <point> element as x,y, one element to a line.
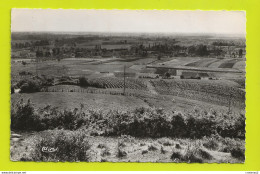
<point>240,52</point>
<point>202,50</point>
<point>167,75</point>
<point>24,63</point>
<point>83,81</point>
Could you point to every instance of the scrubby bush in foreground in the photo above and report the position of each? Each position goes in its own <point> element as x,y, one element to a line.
<point>142,122</point>
<point>62,146</point>
<point>193,154</point>
<point>23,116</point>
<point>29,86</point>
<point>238,152</point>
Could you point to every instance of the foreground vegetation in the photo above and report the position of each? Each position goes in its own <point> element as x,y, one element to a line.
<point>66,145</point>
<point>142,122</point>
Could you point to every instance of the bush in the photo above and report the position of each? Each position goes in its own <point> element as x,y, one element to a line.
<point>165,142</point>
<point>121,153</point>
<point>29,86</point>
<point>200,127</point>
<point>238,152</point>
<point>193,154</point>
<point>211,143</point>
<point>83,81</point>
<point>68,146</point>
<point>228,144</point>
<point>144,152</point>
<point>176,155</point>
<point>141,123</point>
<point>204,154</point>
<point>233,128</point>
<point>23,116</point>
<point>105,152</point>
<point>177,146</point>
<point>152,147</point>
<point>24,63</point>
<point>12,89</point>
<point>178,125</point>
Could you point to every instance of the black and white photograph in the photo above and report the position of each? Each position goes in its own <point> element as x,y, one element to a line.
<point>160,86</point>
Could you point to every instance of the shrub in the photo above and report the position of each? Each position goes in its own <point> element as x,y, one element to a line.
<point>24,63</point>
<point>46,81</point>
<point>101,146</point>
<point>177,146</point>
<point>233,128</point>
<point>165,142</point>
<point>69,146</point>
<point>240,126</point>
<point>199,127</point>
<point>176,155</point>
<point>228,144</point>
<point>12,89</point>
<point>83,81</point>
<point>144,152</point>
<point>152,147</point>
<point>204,154</point>
<point>163,151</point>
<point>142,144</point>
<point>191,155</point>
<point>23,116</point>
<point>103,160</point>
<point>178,125</point>
<point>29,86</point>
<point>121,153</point>
<point>238,152</point>
<point>145,122</point>
<point>211,143</point>
<point>105,152</point>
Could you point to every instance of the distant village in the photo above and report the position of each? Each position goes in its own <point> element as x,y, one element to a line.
<point>68,49</point>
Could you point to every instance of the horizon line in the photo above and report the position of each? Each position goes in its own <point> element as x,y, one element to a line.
<point>134,32</point>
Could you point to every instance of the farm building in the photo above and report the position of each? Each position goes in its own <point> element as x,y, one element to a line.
<point>194,75</point>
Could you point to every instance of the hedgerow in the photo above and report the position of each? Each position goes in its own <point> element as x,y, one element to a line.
<point>142,122</point>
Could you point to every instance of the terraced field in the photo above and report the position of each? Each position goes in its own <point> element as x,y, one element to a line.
<point>218,63</point>
<point>229,63</point>
<point>205,62</point>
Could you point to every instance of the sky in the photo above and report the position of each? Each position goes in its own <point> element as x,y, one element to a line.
<point>130,21</point>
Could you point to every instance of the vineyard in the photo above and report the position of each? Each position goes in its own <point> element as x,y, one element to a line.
<point>110,82</point>
<point>91,90</point>
<point>207,91</point>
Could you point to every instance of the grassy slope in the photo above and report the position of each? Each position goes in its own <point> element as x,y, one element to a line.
<point>74,99</point>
